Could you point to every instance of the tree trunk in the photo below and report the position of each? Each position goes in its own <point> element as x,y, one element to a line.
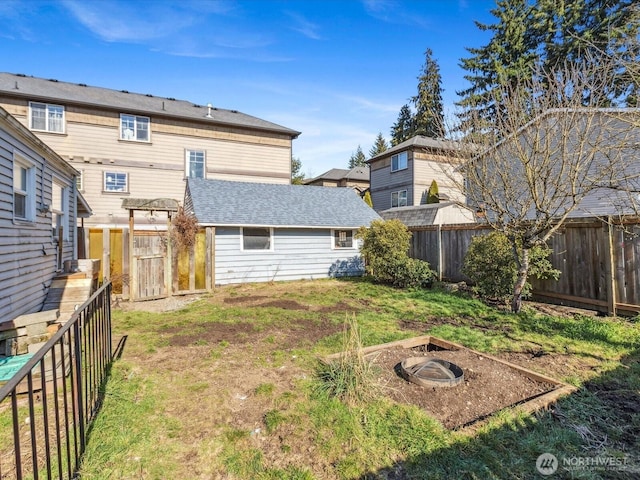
<point>523,271</point>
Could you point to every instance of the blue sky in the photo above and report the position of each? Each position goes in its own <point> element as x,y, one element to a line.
<point>337,70</point>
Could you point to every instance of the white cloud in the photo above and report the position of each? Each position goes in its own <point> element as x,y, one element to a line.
<point>391,11</point>
<point>304,26</point>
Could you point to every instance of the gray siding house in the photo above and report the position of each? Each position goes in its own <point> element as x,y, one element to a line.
<point>38,218</point>
<point>402,175</point>
<point>266,232</point>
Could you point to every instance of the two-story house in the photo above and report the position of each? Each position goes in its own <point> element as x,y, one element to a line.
<point>402,175</point>
<point>129,145</point>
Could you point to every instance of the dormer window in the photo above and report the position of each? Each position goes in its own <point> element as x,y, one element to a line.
<point>134,128</point>
<point>46,117</point>
<point>399,161</point>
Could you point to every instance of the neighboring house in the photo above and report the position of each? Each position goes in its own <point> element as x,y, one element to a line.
<point>266,232</point>
<point>356,178</point>
<point>430,214</point>
<point>402,175</point>
<point>38,218</point>
<point>580,163</point>
<point>143,146</point>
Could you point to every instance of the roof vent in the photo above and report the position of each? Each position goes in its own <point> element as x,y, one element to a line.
<point>209,106</point>
<point>20,75</point>
<point>124,91</point>
<point>53,80</point>
<point>197,106</point>
<point>171,98</point>
<point>82,84</point>
<point>16,87</point>
<point>234,111</point>
<point>149,95</point>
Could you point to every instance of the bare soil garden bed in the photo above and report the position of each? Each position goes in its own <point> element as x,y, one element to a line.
<point>490,384</point>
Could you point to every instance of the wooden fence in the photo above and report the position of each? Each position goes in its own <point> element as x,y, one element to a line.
<point>159,271</point>
<point>598,261</point>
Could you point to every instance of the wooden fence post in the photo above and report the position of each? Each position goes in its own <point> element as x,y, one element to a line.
<point>610,270</point>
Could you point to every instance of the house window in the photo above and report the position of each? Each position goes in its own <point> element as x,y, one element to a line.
<point>60,211</point>
<point>256,239</point>
<point>343,239</point>
<point>115,182</point>
<point>399,199</point>
<point>134,128</point>
<point>194,164</point>
<point>23,190</point>
<point>45,117</point>
<point>399,161</point>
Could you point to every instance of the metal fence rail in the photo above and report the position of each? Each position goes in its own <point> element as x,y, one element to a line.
<point>51,401</point>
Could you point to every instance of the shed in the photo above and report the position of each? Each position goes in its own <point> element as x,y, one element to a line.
<point>266,232</point>
<point>430,214</point>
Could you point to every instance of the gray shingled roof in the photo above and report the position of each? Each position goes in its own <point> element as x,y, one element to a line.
<point>356,173</point>
<point>54,91</point>
<point>419,141</point>
<point>221,202</point>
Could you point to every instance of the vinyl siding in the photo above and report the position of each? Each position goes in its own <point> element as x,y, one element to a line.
<point>156,169</point>
<point>384,182</point>
<point>297,254</point>
<point>27,249</point>
<point>428,168</point>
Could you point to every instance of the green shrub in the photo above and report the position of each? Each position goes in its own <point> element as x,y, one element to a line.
<point>384,247</point>
<point>490,264</point>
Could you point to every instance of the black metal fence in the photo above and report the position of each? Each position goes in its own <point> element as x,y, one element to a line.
<point>47,406</point>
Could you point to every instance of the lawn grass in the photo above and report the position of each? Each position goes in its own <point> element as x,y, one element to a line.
<point>248,406</point>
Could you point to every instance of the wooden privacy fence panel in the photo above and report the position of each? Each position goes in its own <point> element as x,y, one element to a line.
<point>599,262</point>
<point>191,271</point>
<point>444,247</point>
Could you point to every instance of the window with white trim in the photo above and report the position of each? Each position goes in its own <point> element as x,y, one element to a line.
<point>135,128</point>
<point>116,182</point>
<point>399,199</point>
<point>60,211</point>
<point>399,161</point>
<point>24,190</point>
<point>343,239</point>
<point>46,117</point>
<point>80,181</point>
<point>195,164</point>
<point>256,238</point>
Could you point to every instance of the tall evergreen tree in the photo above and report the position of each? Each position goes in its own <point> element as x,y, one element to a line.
<point>533,39</point>
<point>403,128</point>
<point>429,112</point>
<point>357,159</point>
<point>508,57</point>
<point>379,146</point>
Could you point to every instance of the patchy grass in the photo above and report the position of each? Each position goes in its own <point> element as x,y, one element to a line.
<point>225,388</point>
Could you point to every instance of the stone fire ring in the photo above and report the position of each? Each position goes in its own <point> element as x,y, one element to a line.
<point>431,372</point>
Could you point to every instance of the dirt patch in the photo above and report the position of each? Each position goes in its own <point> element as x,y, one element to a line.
<point>488,385</point>
<point>244,299</point>
<point>285,305</point>
<point>298,333</point>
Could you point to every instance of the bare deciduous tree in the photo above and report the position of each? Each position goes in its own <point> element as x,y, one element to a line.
<point>552,153</point>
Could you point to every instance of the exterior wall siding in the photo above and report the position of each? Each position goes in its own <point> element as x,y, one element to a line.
<point>384,182</point>
<point>297,254</point>
<point>28,251</point>
<point>91,143</point>
<point>428,168</point>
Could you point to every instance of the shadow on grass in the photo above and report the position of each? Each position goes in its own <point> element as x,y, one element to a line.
<point>593,433</point>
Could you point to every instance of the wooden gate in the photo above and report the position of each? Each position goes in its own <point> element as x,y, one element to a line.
<point>151,265</point>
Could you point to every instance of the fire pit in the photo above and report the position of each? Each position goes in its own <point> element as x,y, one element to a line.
<point>431,372</point>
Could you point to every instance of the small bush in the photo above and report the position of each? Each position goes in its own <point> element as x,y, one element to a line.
<point>385,246</point>
<point>490,264</point>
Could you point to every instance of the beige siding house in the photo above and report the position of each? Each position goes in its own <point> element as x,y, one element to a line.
<point>129,145</point>
<point>39,206</point>
<point>402,175</point>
